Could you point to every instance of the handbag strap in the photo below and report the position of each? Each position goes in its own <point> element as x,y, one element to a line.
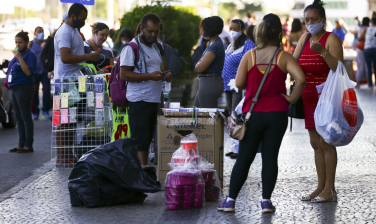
<point>254,100</point>
<point>305,41</point>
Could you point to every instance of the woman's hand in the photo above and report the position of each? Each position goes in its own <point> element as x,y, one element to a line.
<point>16,54</point>
<point>289,98</point>
<point>50,75</point>
<point>317,47</point>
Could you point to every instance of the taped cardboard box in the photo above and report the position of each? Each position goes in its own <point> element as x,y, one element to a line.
<point>210,135</point>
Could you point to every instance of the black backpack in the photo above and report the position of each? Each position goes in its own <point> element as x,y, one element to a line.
<point>47,56</point>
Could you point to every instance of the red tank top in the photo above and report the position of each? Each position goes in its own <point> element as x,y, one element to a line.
<point>269,99</point>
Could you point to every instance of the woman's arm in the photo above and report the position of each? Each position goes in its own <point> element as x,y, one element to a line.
<point>299,46</point>
<point>241,75</point>
<point>23,64</point>
<point>204,63</point>
<point>297,74</point>
<point>334,51</point>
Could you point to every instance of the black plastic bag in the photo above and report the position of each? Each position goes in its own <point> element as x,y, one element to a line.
<point>111,174</point>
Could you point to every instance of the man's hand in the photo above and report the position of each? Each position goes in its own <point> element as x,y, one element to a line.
<point>168,77</point>
<point>156,76</point>
<point>50,75</point>
<point>94,56</point>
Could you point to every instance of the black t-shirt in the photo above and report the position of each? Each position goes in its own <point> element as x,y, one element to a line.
<point>104,59</point>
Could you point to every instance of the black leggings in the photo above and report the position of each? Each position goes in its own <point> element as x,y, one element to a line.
<point>269,129</point>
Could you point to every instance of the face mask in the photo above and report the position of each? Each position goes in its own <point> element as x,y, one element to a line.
<point>96,40</point>
<point>206,37</point>
<point>315,28</point>
<point>40,36</point>
<point>145,40</point>
<point>124,42</point>
<point>235,35</point>
<point>78,24</point>
<point>23,50</point>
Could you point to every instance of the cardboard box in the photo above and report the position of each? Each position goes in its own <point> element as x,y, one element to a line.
<point>210,135</point>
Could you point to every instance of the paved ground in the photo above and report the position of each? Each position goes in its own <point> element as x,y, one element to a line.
<point>46,199</point>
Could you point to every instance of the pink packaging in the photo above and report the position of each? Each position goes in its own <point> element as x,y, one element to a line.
<point>209,183</point>
<point>176,190</point>
<point>212,193</point>
<point>199,187</point>
<point>187,204</point>
<point>188,189</point>
<point>173,206</point>
<point>184,178</point>
<point>182,159</point>
<point>188,197</point>
<point>198,203</point>
<point>171,198</point>
<point>208,174</point>
<point>199,195</point>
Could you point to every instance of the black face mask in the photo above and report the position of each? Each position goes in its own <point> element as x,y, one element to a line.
<point>23,50</point>
<point>78,24</point>
<point>145,40</point>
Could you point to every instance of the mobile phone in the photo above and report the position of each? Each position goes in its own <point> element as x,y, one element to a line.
<point>165,72</point>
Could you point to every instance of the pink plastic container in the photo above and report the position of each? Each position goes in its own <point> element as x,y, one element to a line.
<point>171,198</point>
<point>190,147</point>
<point>199,195</point>
<point>187,197</point>
<point>209,183</point>
<point>187,204</point>
<point>184,178</point>
<point>212,194</point>
<point>176,190</point>
<point>173,206</point>
<point>199,187</point>
<point>188,189</point>
<point>208,174</point>
<point>198,203</point>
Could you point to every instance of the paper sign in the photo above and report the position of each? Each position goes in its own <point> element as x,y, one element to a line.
<point>120,124</point>
<point>56,118</point>
<point>99,84</point>
<point>99,117</point>
<point>90,83</point>
<point>82,84</point>
<point>90,99</point>
<point>65,85</point>
<point>56,103</point>
<point>64,116</point>
<point>83,2</point>
<point>57,85</point>
<point>99,100</point>
<point>73,115</point>
<point>64,100</point>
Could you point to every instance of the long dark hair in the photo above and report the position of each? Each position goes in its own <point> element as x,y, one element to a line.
<point>241,40</point>
<point>124,33</point>
<point>296,25</point>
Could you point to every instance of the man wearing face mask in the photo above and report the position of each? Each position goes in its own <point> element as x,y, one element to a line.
<point>40,76</point>
<point>69,47</point>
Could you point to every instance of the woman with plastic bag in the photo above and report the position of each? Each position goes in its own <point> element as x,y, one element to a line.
<point>268,122</point>
<point>321,53</point>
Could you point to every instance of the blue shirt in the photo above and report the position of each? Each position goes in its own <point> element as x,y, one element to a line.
<point>37,48</point>
<point>18,76</point>
<point>341,33</point>
<point>217,65</point>
<point>232,61</point>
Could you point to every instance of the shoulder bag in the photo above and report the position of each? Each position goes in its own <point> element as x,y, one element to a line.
<point>237,129</point>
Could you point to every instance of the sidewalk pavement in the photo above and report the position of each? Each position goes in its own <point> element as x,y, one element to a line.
<point>44,197</point>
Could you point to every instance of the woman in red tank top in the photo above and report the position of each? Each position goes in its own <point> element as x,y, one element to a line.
<point>320,54</point>
<point>268,122</point>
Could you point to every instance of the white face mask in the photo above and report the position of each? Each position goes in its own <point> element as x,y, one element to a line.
<point>124,42</point>
<point>315,28</point>
<point>235,35</point>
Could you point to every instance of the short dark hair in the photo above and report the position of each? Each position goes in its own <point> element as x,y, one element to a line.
<point>99,26</point>
<point>76,9</point>
<point>318,5</point>
<point>124,33</point>
<point>296,25</point>
<point>152,17</point>
<point>211,26</point>
<point>365,21</point>
<point>240,22</point>
<point>23,35</point>
<point>37,28</point>
<point>250,30</point>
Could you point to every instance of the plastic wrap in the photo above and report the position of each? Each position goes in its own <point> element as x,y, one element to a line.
<point>239,107</point>
<point>189,145</point>
<point>212,186</point>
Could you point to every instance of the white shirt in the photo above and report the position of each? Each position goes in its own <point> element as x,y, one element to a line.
<point>370,38</point>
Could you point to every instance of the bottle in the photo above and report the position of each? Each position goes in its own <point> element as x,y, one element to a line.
<point>166,87</point>
<point>166,100</point>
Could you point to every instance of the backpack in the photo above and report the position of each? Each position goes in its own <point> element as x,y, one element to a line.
<point>118,87</point>
<point>173,59</point>
<point>47,56</point>
<point>197,55</point>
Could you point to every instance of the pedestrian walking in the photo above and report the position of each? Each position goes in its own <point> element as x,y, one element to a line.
<point>320,54</point>
<point>361,71</point>
<point>268,122</point>
<point>20,78</point>
<point>40,76</point>
<point>95,44</point>
<point>69,52</point>
<point>144,79</point>
<point>210,66</point>
<point>340,31</point>
<point>369,36</point>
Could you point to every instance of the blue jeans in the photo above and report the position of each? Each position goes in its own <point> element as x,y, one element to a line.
<point>370,55</point>
<point>42,78</point>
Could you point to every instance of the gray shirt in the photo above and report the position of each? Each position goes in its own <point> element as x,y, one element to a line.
<point>70,38</point>
<point>147,91</point>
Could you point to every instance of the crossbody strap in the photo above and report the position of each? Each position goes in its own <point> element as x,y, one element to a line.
<point>254,100</point>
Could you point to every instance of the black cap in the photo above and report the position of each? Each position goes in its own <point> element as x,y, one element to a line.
<point>274,21</point>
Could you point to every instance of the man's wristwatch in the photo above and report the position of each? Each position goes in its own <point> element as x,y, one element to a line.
<point>324,54</point>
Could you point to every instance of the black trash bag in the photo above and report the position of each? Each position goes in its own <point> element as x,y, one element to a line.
<point>110,174</point>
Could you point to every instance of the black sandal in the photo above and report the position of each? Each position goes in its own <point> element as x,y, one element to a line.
<point>234,156</point>
<point>229,154</point>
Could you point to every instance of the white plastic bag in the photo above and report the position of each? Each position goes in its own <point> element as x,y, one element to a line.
<point>239,107</point>
<point>338,116</point>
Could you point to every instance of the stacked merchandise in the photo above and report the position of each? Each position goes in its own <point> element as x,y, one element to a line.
<point>185,186</point>
<point>212,185</point>
<point>82,113</point>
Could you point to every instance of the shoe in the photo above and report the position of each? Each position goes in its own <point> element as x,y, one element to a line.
<point>234,156</point>
<point>46,115</point>
<point>229,154</point>
<point>267,207</point>
<point>13,150</point>
<point>25,150</point>
<point>333,198</point>
<point>308,197</point>
<point>35,117</point>
<point>227,206</point>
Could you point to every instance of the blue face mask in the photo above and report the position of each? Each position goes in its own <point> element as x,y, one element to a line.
<point>40,36</point>
<point>315,28</point>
